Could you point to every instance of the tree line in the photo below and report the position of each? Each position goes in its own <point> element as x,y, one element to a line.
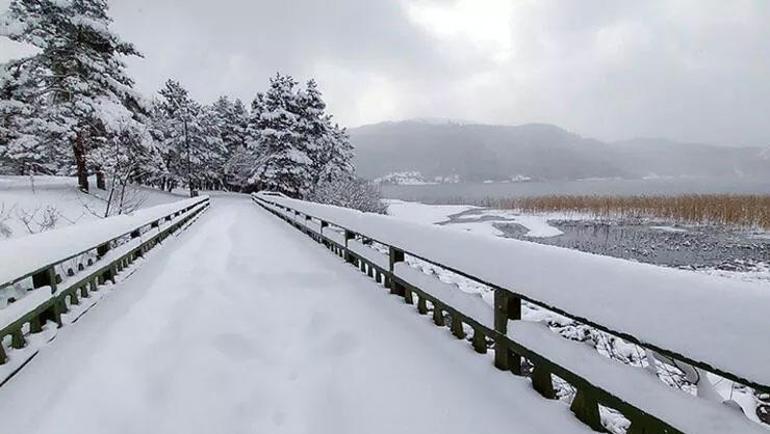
<point>72,108</point>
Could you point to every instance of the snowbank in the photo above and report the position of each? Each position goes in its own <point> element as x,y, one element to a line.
<point>717,321</point>
<point>20,256</point>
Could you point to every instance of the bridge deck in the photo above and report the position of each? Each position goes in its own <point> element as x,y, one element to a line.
<point>241,325</point>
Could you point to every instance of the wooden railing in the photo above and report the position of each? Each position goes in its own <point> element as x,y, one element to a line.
<point>649,405</point>
<point>55,281</point>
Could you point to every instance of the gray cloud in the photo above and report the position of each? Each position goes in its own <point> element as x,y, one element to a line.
<point>688,70</point>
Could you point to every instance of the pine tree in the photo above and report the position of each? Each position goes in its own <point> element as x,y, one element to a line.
<point>212,154</point>
<point>337,156</point>
<point>190,138</point>
<point>330,147</point>
<point>313,125</point>
<point>296,142</point>
<point>232,119</point>
<point>81,86</point>
<point>284,164</point>
<point>22,147</point>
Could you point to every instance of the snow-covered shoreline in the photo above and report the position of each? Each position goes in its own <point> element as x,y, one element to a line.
<point>454,217</point>
<point>651,237</point>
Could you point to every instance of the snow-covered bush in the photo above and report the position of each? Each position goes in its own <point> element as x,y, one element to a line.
<point>350,192</point>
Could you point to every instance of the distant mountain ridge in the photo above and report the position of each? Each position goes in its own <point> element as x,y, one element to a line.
<point>477,152</point>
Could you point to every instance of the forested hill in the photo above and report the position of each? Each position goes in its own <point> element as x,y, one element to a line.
<point>539,151</point>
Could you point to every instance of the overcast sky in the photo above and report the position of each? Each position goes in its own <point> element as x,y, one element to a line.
<point>696,70</point>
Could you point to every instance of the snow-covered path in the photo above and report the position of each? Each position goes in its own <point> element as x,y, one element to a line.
<point>242,325</point>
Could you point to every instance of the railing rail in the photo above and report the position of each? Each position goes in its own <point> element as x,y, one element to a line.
<point>347,241</point>
<point>104,248</point>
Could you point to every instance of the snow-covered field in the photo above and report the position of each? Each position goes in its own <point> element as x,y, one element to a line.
<point>30,206</point>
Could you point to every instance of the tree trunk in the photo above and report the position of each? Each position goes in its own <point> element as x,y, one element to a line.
<point>100,184</point>
<point>79,150</point>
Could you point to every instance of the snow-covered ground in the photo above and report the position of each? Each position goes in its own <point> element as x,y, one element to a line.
<point>482,221</point>
<point>27,206</point>
<point>228,333</point>
<point>422,213</point>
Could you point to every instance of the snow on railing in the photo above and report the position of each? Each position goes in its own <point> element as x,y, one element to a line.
<point>715,324</point>
<point>54,270</point>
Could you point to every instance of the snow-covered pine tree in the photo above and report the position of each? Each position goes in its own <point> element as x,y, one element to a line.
<point>84,84</point>
<point>127,158</point>
<point>23,150</point>
<point>284,164</point>
<point>328,144</point>
<point>254,124</point>
<point>232,119</point>
<point>212,151</point>
<point>337,156</point>
<point>241,159</point>
<point>313,125</point>
<point>244,163</point>
<point>190,139</point>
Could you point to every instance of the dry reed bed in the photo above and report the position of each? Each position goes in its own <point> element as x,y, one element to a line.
<point>744,211</point>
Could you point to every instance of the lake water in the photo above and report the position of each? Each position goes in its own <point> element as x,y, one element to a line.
<point>456,192</point>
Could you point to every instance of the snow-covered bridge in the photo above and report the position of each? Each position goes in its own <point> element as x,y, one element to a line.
<point>242,325</point>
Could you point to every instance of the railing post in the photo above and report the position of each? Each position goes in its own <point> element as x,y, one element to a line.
<point>586,408</point>
<point>308,219</point>
<point>422,306</point>
<point>74,299</point>
<point>438,314</point>
<point>641,424</point>
<point>395,256</point>
<point>46,277</point>
<point>17,339</point>
<point>542,381</point>
<point>102,250</point>
<point>348,236</point>
<point>507,307</point>
<point>456,325</point>
<point>479,340</point>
